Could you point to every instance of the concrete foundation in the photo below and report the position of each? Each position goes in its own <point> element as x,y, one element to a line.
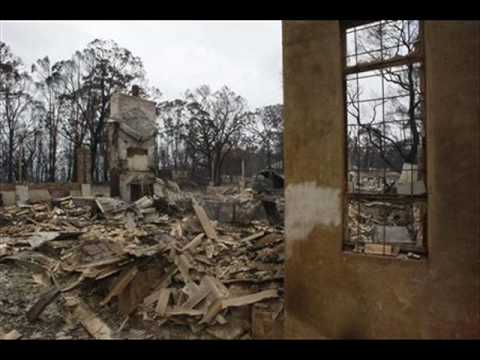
<point>12,193</point>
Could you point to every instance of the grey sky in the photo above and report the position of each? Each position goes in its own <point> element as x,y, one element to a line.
<point>177,55</point>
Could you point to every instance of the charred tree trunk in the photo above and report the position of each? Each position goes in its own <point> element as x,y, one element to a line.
<point>105,158</point>
<point>217,168</point>
<point>269,155</point>
<point>52,154</point>
<point>11,139</point>
<point>73,163</point>
<point>10,158</point>
<point>93,152</point>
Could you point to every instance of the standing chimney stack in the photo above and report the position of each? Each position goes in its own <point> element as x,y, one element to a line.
<point>135,90</point>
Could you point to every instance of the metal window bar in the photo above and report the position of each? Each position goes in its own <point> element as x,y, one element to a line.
<point>370,25</point>
<point>358,169</point>
<point>379,99</point>
<point>376,75</point>
<point>379,50</point>
<point>387,122</point>
<point>382,142</point>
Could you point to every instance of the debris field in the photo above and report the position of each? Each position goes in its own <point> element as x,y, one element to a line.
<point>95,267</point>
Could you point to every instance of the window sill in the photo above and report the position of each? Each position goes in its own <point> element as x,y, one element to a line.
<point>400,257</point>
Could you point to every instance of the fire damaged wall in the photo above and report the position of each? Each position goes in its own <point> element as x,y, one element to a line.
<point>333,294</point>
<point>131,139</point>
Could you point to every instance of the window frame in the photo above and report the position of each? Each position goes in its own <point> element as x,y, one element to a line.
<point>416,57</point>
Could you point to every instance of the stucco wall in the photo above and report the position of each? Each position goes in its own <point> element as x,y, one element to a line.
<point>336,295</point>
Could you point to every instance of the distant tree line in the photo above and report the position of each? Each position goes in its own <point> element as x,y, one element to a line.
<point>50,111</point>
<point>205,130</point>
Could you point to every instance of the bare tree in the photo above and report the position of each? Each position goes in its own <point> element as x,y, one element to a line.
<point>48,91</point>
<point>372,131</point>
<point>15,100</point>
<point>87,82</point>
<point>268,130</point>
<point>79,101</point>
<point>216,126</point>
<point>392,40</point>
<point>173,117</point>
<point>110,68</point>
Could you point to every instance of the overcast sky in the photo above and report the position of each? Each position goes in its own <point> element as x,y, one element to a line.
<point>177,55</point>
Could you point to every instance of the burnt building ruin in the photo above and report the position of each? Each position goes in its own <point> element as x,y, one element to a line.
<point>131,142</point>
<point>382,171</point>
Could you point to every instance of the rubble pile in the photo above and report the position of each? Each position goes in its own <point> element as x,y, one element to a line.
<point>373,223</point>
<point>160,264</point>
<point>229,205</point>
